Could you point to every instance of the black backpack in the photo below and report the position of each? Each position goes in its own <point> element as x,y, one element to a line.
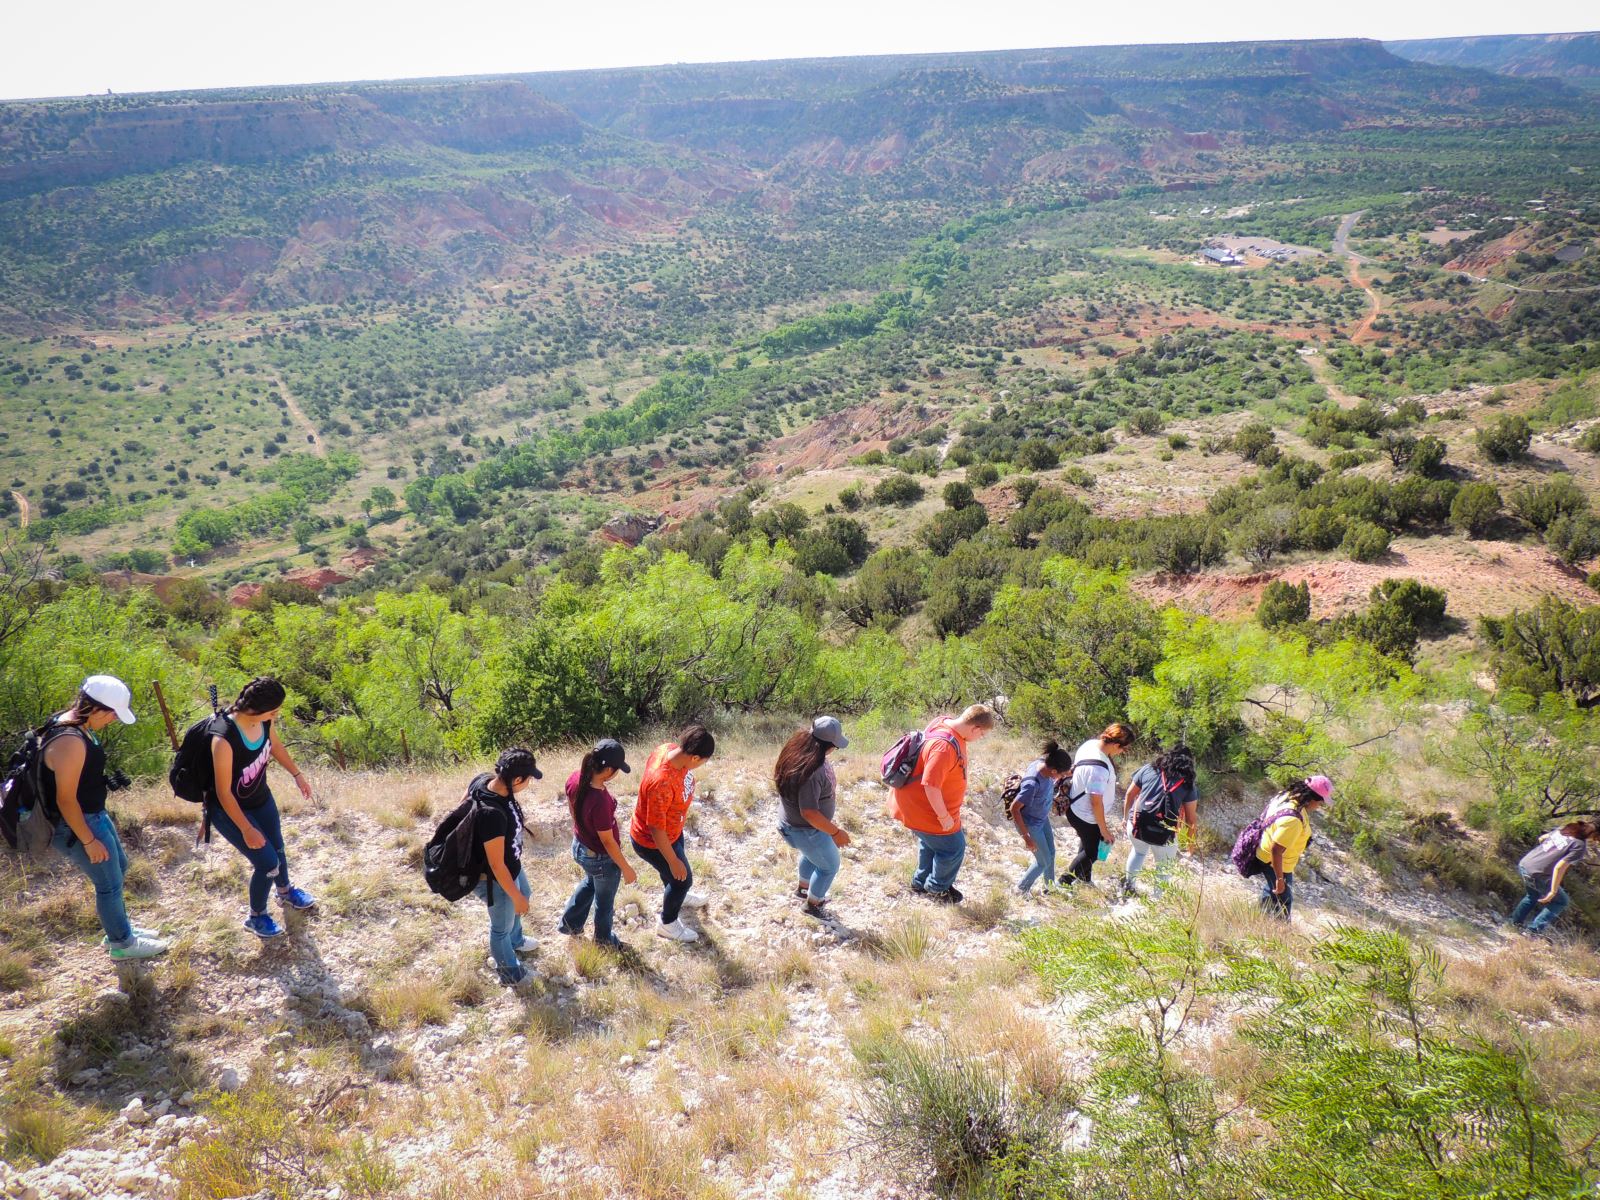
<point>27,816</point>
<point>453,862</point>
<point>1155,821</point>
<point>192,777</point>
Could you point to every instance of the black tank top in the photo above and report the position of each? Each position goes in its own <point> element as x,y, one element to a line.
<point>91,780</point>
<point>249,766</point>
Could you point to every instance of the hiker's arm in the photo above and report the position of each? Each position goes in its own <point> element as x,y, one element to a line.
<point>1189,818</point>
<point>1130,801</point>
<point>495,851</point>
<point>1277,869</point>
<point>64,756</point>
<point>222,778</point>
<point>664,845</point>
<point>936,803</point>
<point>1022,828</point>
<point>1098,803</point>
<point>1556,877</point>
<point>281,753</point>
<point>615,851</point>
<point>816,820</point>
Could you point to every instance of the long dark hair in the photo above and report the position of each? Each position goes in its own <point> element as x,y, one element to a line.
<point>262,694</point>
<point>1177,763</point>
<point>587,770</point>
<point>1054,757</point>
<point>798,761</point>
<point>516,763</point>
<point>1300,794</point>
<point>1587,830</point>
<point>83,707</point>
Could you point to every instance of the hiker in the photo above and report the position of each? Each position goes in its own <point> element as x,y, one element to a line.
<point>72,777</point>
<point>807,791</point>
<point>1284,838</point>
<point>1160,810</point>
<point>929,803</point>
<point>1093,788</point>
<point>240,805</point>
<point>497,830</point>
<point>665,792</point>
<point>1544,867</point>
<point>596,846</point>
<point>1030,812</point>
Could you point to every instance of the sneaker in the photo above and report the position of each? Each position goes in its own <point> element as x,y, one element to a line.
<point>138,931</point>
<point>612,943</point>
<point>802,891</point>
<point>677,931</point>
<point>918,888</point>
<point>263,926</point>
<point>139,946</point>
<point>696,900</point>
<point>817,909</point>
<point>509,980</point>
<point>527,945</point>
<point>560,928</point>
<point>951,896</point>
<point>296,897</point>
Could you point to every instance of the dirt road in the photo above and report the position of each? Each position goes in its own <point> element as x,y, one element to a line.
<point>1341,245</point>
<point>24,513</point>
<point>299,414</point>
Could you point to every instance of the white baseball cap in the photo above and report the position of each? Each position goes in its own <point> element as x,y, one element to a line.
<point>113,693</point>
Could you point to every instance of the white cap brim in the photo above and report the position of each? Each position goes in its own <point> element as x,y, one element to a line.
<point>125,715</point>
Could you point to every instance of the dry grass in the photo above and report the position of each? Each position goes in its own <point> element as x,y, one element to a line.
<point>416,1001</point>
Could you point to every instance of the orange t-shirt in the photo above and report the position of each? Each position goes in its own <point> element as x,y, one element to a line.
<point>665,793</point>
<point>946,769</point>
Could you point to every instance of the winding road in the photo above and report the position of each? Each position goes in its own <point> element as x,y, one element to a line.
<point>299,414</point>
<point>1341,245</point>
<point>24,512</point>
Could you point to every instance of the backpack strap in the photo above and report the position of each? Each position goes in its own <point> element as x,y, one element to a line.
<point>1096,760</point>
<point>944,734</point>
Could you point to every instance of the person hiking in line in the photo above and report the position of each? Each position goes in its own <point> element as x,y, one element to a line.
<point>666,790</point>
<point>1160,811</point>
<point>1545,867</point>
<point>1285,839</point>
<point>807,791</point>
<point>497,830</point>
<point>930,804</point>
<point>72,773</point>
<point>1090,795</point>
<point>596,845</point>
<point>1030,812</point>
<point>240,806</point>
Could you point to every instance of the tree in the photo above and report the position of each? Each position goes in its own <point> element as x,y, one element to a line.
<point>962,586</point>
<point>1575,537</point>
<point>1554,647</point>
<point>1476,508</point>
<point>900,490</point>
<point>1542,504</point>
<point>1261,536</point>
<point>1067,650</point>
<point>1284,604</point>
<point>1182,545</point>
<point>1540,757</point>
<point>1364,542</point>
<point>1250,441</point>
<point>891,584</point>
<point>983,474</point>
<point>383,502</point>
<point>1400,612</point>
<point>1144,420</point>
<point>1506,439</point>
<point>958,495</point>
<point>1401,448</point>
<point>953,526</point>
<point>191,600</point>
<point>1036,454</point>
<point>1427,455</point>
<point>781,522</point>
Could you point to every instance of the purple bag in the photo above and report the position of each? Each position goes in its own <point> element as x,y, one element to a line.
<point>1248,844</point>
<point>900,760</point>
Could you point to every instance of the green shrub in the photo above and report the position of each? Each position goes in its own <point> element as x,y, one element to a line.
<point>899,490</point>
<point>1475,509</point>
<point>1250,441</point>
<point>953,526</point>
<point>1364,542</point>
<point>1575,537</point>
<point>1542,504</point>
<point>1505,439</point>
<point>958,495</point>
<point>983,474</point>
<point>1284,604</point>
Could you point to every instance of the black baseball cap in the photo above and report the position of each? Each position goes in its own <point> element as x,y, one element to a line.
<point>609,754</point>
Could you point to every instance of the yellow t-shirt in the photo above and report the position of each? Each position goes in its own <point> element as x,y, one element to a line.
<point>1291,832</point>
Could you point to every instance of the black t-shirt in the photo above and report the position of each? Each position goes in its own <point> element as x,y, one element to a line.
<point>249,766</point>
<point>91,780</point>
<point>498,817</point>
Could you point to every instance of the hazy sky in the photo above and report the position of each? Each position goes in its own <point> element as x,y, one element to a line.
<point>69,47</point>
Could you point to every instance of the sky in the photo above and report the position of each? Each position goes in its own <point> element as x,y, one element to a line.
<point>71,47</point>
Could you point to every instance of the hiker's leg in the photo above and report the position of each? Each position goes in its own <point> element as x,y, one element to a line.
<point>1044,857</point>
<point>263,862</point>
<point>576,914</point>
<point>107,877</point>
<point>675,889</point>
<point>516,917</point>
<point>1549,912</point>
<point>949,851</point>
<point>270,823</point>
<point>607,878</point>
<point>502,918</point>
<point>1088,847</point>
<point>1533,892</point>
<point>1138,852</point>
<point>1165,856</point>
<point>924,859</point>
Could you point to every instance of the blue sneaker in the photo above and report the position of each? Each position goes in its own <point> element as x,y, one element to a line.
<point>263,926</point>
<point>297,897</point>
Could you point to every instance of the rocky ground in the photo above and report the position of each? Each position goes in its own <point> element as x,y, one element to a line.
<point>376,1028</point>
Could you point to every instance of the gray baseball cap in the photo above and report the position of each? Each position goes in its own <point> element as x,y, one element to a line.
<point>828,729</point>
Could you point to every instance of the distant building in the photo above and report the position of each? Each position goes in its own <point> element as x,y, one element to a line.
<point>1222,256</point>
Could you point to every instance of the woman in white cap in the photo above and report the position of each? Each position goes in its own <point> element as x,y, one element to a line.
<point>73,775</point>
<point>808,792</point>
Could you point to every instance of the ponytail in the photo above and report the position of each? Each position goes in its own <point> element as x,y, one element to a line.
<point>1054,757</point>
<point>262,694</point>
<point>587,770</point>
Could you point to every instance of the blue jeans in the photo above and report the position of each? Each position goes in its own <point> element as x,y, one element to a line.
<point>271,866</point>
<point>673,890</point>
<point>1537,889</point>
<point>1271,902</point>
<point>939,857</point>
<point>601,879</point>
<point>819,857</point>
<point>106,876</point>
<point>1044,856</point>
<point>505,927</point>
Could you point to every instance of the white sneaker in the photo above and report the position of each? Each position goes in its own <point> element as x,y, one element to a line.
<point>137,931</point>
<point>139,947</point>
<point>527,945</point>
<point>677,932</point>
<point>696,900</point>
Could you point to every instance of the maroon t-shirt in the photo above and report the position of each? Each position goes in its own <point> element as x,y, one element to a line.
<point>591,814</point>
